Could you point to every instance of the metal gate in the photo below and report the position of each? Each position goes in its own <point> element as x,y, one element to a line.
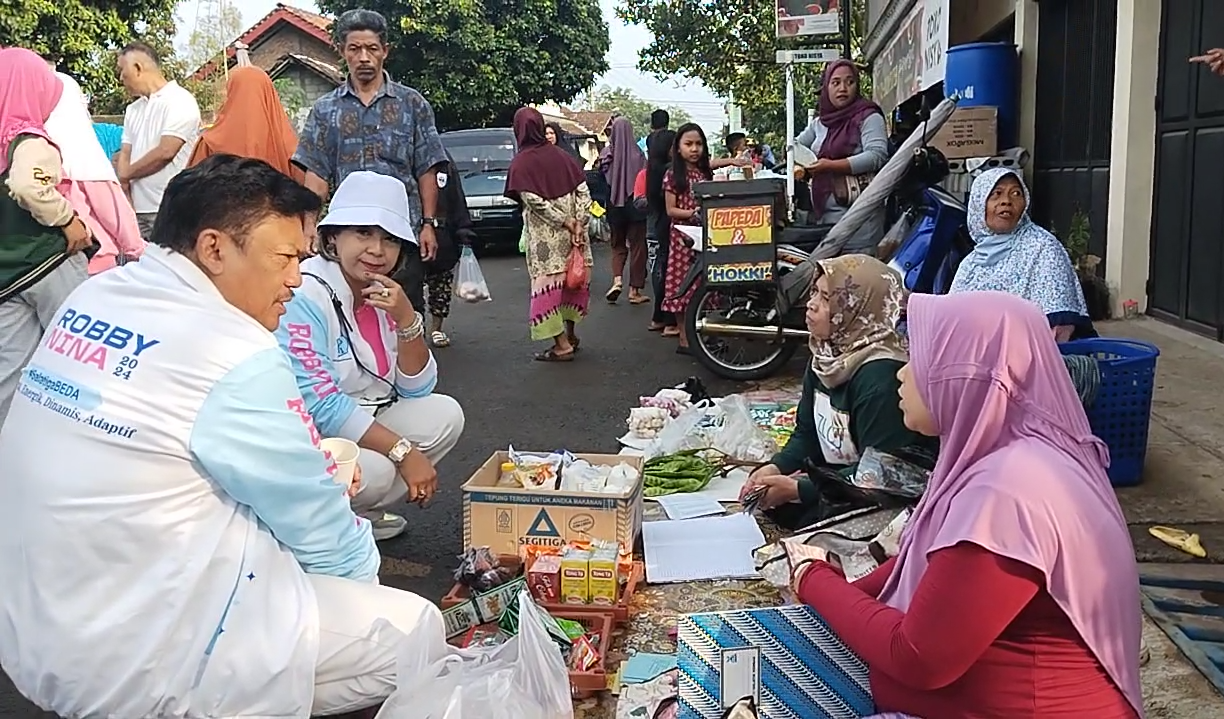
<point>1187,246</point>
<point>1074,114</point>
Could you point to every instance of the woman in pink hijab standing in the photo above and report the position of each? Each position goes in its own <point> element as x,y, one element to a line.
<point>44,244</point>
<point>89,181</point>
<point>1015,590</point>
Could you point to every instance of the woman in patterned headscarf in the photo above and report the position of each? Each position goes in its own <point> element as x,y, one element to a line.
<point>849,398</point>
<point>1015,255</point>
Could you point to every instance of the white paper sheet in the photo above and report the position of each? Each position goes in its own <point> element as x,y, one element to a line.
<point>695,550</point>
<point>694,233</point>
<point>632,442</point>
<point>689,505</point>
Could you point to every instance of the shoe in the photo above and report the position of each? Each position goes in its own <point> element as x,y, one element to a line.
<point>387,525</point>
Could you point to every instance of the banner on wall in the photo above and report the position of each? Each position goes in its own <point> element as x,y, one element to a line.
<point>805,18</point>
<point>915,59</point>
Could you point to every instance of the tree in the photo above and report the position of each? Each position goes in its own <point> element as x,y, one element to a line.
<point>622,101</point>
<point>292,96</point>
<point>84,35</point>
<point>478,62</point>
<point>210,35</point>
<point>729,46</point>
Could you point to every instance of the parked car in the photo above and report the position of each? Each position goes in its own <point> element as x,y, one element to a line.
<point>483,156</point>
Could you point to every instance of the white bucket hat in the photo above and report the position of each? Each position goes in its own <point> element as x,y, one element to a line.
<point>368,199</point>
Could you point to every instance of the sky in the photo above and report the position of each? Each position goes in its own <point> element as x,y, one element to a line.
<point>627,42</point>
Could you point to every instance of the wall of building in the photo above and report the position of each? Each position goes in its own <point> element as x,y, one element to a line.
<point>1133,152</point>
<point>284,39</point>
<point>969,20</point>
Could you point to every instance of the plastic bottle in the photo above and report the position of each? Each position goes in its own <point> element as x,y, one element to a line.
<point>507,476</point>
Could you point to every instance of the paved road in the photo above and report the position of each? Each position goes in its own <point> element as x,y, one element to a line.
<point>511,399</point>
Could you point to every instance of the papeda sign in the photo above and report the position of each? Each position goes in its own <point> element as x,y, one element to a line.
<point>730,226</point>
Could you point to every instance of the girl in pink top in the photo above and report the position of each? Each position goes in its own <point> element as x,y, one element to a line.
<point>89,181</point>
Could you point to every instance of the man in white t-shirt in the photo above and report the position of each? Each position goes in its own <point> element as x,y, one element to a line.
<point>159,131</point>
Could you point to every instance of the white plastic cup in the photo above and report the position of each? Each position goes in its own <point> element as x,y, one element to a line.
<point>344,453</point>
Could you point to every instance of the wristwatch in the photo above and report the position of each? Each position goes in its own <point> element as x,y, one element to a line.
<point>399,450</point>
<point>431,221</point>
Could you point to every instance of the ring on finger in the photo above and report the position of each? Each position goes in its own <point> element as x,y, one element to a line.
<point>385,292</point>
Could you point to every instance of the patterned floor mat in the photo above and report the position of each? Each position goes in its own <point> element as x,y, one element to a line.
<point>1187,602</point>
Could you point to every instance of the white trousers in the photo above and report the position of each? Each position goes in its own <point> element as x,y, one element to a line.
<point>364,631</point>
<point>433,424</point>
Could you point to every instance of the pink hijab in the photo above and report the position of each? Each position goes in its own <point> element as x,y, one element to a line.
<point>1019,472</point>
<point>28,94</point>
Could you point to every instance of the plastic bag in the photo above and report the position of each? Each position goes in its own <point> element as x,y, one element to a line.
<point>523,241</point>
<point>598,229</point>
<point>882,472</point>
<point>892,239</point>
<point>524,678</point>
<point>692,429</point>
<point>470,285</point>
<point>740,436</point>
<point>577,274</point>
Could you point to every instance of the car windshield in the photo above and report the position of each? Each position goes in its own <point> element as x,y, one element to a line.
<point>480,152</point>
<point>479,184</point>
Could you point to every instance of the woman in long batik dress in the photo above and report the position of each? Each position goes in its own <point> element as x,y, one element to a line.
<point>556,208</point>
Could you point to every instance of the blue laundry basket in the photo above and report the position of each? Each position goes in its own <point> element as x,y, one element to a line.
<point>1122,411</point>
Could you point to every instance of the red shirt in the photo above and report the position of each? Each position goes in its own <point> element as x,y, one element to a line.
<point>982,639</point>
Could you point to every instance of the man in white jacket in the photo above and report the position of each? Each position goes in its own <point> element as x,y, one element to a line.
<point>219,570</point>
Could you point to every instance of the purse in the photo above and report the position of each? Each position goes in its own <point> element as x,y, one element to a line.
<point>847,188</point>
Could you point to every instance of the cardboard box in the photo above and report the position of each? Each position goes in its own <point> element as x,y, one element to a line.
<point>785,658</point>
<point>504,518</point>
<point>970,132</point>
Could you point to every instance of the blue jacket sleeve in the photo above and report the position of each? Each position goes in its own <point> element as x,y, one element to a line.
<point>304,335</point>
<point>254,438</point>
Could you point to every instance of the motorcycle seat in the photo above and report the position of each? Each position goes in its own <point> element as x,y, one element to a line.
<point>803,237</point>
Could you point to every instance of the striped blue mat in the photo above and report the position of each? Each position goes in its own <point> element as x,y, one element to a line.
<point>787,658</point>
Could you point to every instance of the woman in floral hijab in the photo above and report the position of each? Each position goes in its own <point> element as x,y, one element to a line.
<point>849,398</point>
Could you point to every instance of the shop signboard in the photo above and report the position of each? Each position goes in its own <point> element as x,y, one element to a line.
<point>915,58</point>
<point>806,18</point>
<point>741,249</point>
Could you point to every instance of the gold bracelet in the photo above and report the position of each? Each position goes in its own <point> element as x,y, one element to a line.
<point>413,331</point>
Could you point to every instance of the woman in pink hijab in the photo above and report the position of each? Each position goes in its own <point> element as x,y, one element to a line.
<point>1015,590</point>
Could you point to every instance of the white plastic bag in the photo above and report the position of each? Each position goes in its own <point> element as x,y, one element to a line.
<point>525,678</point>
<point>470,285</point>
<point>740,436</point>
<point>692,429</point>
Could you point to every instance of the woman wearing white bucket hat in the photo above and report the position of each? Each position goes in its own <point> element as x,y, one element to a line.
<point>357,346</point>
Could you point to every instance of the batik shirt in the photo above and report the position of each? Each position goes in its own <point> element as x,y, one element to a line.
<point>394,135</point>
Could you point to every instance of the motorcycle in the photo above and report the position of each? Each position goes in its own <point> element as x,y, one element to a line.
<point>746,317</point>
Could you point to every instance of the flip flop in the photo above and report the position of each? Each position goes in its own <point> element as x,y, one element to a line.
<point>671,331</point>
<point>1179,539</point>
<point>613,294</point>
<point>639,300</point>
<point>682,350</point>
<point>652,327</point>
<point>550,355</point>
<point>439,339</point>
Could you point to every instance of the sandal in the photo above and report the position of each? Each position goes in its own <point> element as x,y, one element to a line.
<point>638,299</point>
<point>655,327</point>
<point>671,331</point>
<point>683,350</point>
<point>439,339</point>
<point>614,293</point>
<point>550,355</point>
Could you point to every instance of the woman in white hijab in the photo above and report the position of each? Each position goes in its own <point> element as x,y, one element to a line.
<point>90,183</point>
